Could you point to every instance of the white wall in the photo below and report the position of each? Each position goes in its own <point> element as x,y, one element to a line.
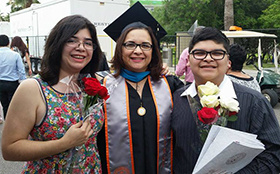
<point>5,28</point>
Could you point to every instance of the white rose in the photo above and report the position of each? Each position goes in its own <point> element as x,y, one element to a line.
<point>208,89</point>
<point>229,103</point>
<point>210,101</point>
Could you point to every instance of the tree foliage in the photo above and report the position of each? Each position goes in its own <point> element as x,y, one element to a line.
<point>179,15</point>
<point>271,16</point>
<point>247,12</point>
<point>17,5</point>
<point>4,17</point>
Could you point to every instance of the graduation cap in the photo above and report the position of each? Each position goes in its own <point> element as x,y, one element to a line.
<point>136,13</point>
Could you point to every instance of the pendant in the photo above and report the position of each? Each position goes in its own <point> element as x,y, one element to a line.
<point>141,111</point>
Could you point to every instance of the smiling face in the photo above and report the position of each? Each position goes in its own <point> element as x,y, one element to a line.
<point>208,69</point>
<point>137,60</point>
<point>75,58</point>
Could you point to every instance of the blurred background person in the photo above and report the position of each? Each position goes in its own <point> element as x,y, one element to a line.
<point>11,72</point>
<point>237,56</point>
<point>19,46</point>
<point>181,67</point>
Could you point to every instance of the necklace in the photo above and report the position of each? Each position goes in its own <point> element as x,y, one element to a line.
<point>141,110</point>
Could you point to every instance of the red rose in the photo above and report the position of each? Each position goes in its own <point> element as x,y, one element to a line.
<point>92,85</point>
<point>103,93</point>
<point>207,115</point>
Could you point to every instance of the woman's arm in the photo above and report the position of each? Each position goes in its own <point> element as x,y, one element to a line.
<point>28,63</point>
<point>22,116</point>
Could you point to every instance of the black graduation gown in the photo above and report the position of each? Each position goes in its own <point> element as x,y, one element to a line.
<point>144,129</point>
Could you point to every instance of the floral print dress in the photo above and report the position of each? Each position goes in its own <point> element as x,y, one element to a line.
<point>63,110</point>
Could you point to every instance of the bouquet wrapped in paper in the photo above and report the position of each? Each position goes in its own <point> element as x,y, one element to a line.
<point>91,95</point>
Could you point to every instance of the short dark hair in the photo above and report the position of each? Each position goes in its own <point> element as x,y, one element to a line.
<point>209,33</point>
<point>4,40</point>
<point>62,31</point>
<point>237,56</point>
<point>155,65</point>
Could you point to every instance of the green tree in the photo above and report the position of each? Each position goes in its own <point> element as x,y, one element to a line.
<point>4,17</point>
<point>17,5</point>
<point>212,14</point>
<point>271,16</point>
<point>247,12</point>
<point>179,15</point>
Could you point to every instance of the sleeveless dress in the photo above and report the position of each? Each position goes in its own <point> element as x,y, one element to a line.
<point>63,110</point>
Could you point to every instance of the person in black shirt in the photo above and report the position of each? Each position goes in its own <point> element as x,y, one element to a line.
<point>209,61</point>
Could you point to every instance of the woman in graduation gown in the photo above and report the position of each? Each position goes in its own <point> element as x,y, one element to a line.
<point>136,136</point>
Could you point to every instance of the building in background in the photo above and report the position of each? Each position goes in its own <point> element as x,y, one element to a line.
<point>33,24</point>
<point>5,28</point>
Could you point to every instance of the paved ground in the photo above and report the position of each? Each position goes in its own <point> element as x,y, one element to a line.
<point>16,167</point>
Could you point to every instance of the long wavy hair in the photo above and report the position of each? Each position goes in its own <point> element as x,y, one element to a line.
<point>155,65</point>
<point>18,42</point>
<point>62,31</point>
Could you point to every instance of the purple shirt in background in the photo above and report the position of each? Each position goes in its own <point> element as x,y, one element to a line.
<point>182,68</point>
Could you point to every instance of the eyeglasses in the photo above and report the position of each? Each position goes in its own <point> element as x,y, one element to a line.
<point>88,44</point>
<point>202,54</point>
<point>133,46</point>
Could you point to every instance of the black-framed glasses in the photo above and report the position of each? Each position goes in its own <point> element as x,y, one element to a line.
<point>202,54</point>
<point>133,46</point>
<point>88,44</point>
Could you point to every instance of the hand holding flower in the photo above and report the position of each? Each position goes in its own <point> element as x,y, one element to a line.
<point>78,134</point>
